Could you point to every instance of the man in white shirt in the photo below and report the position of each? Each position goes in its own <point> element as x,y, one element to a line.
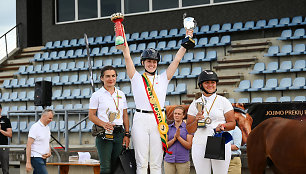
<point>38,146</point>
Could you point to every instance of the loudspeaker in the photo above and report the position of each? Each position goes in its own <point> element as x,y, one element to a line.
<point>43,93</point>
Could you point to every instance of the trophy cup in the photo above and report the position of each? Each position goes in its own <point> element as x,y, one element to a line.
<point>189,24</point>
<point>200,107</point>
<point>109,133</point>
<point>117,18</point>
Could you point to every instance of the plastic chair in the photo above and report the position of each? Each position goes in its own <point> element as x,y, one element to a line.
<point>183,72</point>
<point>298,49</point>
<point>195,72</point>
<point>225,40</point>
<point>249,25</point>
<point>211,55</point>
<point>226,27</point>
<point>152,45</point>
<point>188,57</point>
<point>257,85</point>
<point>161,45</point>
<point>134,36</point>
<point>171,45</point>
<point>272,51</point>
<point>298,34</point>
<point>272,23</point>
<point>75,93</point>
<point>181,88</point>
<point>153,34</point>
<point>283,22</point>
<point>256,100</point>
<point>143,35</point>
<point>299,98</point>
<point>117,62</point>
<point>237,27</point>
<point>85,93</point>
<point>286,50</point>
<point>258,68</point>
<point>285,99</point>
<point>214,28</point>
<point>83,79</point>
<point>300,65</point>
<point>271,84</point>
<point>244,85</point>
<point>285,67</point>
<point>243,100</point>
<point>199,56</point>
<point>297,20</point>
<point>166,59</point>
<point>271,99</point>
<point>126,90</point>
<point>162,34</point>
<point>172,33</point>
<point>298,83</point>
<point>170,88</point>
<point>213,41</point>
<point>260,24</point>
<point>284,84</point>
<point>271,67</point>
<point>203,30</point>
<point>140,47</point>
<point>286,34</point>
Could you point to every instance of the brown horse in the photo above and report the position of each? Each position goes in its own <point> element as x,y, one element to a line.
<point>279,143</point>
<point>244,120</point>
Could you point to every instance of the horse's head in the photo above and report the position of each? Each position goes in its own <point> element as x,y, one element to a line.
<point>243,119</point>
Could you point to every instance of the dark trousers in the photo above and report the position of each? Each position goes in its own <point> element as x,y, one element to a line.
<point>109,152</point>
<point>4,159</point>
<point>39,165</point>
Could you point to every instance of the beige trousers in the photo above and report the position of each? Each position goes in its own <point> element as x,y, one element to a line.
<point>177,168</point>
<point>235,166</point>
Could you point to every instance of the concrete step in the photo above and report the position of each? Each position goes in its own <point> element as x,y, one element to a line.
<point>236,60</point>
<point>32,49</point>
<point>248,49</point>
<point>236,65</point>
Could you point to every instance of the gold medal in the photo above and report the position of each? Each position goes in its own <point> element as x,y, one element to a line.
<point>208,120</point>
<point>163,128</point>
<point>152,100</point>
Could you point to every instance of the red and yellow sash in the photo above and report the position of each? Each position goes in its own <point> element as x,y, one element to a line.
<point>159,116</point>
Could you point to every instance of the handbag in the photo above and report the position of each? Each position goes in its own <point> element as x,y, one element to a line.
<point>215,148</point>
<point>97,130</point>
<point>127,164</point>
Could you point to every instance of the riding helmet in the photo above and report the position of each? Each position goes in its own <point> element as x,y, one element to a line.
<point>150,54</point>
<point>207,75</point>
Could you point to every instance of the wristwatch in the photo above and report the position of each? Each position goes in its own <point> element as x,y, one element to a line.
<point>127,134</point>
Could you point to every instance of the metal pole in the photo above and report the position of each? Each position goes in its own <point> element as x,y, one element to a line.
<point>66,132</point>
<point>6,46</point>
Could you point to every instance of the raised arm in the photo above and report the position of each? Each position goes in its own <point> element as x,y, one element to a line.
<point>178,57</point>
<point>130,68</point>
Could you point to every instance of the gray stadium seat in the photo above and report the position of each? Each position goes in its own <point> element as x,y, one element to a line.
<point>299,65</point>
<point>298,49</point>
<point>271,84</point>
<point>271,67</point>
<point>285,67</point>
<point>272,51</point>
<point>226,27</point>
<point>284,84</point>
<point>260,24</point>
<point>183,72</point>
<point>257,85</point>
<point>75,93</point>
<point>272,23</point>
<point>286,34</point>
<point>298,83</point>
<point>214,28</point>
<point>258,68</point>
<point>195,72</point>
<point>170,88</point>
<point>237,27</point>
<point>285,51</point>
<point>181,88</point>
<point>244,85</point>
<point>299,34</point>
<point>199,56</point>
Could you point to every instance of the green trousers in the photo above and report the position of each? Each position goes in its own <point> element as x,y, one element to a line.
<point>109,152</point>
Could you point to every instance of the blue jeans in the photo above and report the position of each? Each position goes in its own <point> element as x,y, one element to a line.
<point>39,165</point>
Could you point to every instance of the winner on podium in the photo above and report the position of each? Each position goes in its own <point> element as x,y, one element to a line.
<point>149,129</point>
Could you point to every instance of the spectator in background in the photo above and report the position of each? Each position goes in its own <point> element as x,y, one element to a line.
<point>235,164</point>
<point>5,132</point>
<point>38,146</point>
<point>179,142</point>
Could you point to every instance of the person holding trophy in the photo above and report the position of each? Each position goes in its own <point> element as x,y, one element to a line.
<point>206,115</point>
<point>149,129</point>
<point>108,111</point>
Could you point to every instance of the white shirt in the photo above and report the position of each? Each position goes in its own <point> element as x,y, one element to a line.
<point>41,135</point>
<point>103,101</point>
<point>140,96</point>
<point>216,112</point>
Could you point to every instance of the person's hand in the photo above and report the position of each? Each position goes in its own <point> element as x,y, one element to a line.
<point>47,155</point>
<point>28,167</point>
<point>220,128</point>
<point>126,141</point>
<point>177,133</point>
<point>108,126</point>
<point>199,116</point>
<point>189,33</point>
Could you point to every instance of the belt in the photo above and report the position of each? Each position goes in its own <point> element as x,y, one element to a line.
<point>233,156</point>
<point>118,129</point>
<point>147,112</point>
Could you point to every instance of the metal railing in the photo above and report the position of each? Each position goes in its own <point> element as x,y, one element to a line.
<point>17,27</point>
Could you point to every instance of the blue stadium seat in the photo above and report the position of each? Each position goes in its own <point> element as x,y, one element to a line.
<point>127,36</point>
<point>121,76</point>
<point>258,68</point>
<point>285,99</point>
<point>54,68</point>
<point>285,51</point>
<point>66,93</point>
<point>98,64</point>
<point>170,88</point>
<point>257,85</point>
<point>83,79</point>
<point>249,25</point>
<point>37,57</point>
<point>73,43</point>
<point>199,56</point>
<point>5,109</point>
<point>152,45</point>
<point>64,44</point>
<point>88,127</point>
<point>187,57</point>
<point>283,22</point>
<point>243,100</point>
<point>172,33</point>
<point>167,103</point>
<point>69,54</point>
<point>271,99</point>
<point>260,24</point>
<point>47,46</point>
<point>22,96</point>
<point>299,99</point>
<point>143,35</point>
<point>299,65</point>
<point>21,70</point>
<point>153,34</point>
<point>181,88</point>
<point>117,62</point>
<point>298,83</point>
<point>140,47</point>
<point>23,126</point>
<point>213,41</point>
<point>211,55</point>
<point>244,85</point>
<point>63,80</point>
<point>237,27</point>
<point>272,51</point>
<point>75,93</point>
<point>214,28</point>
<point>166,59</point>
<point>161,45</point>
<point>77,53</point>
<point>171,45</point>
<point>107,39</point>
<point>226,27</point>
<point>284,84</point>
<point>133,47</point>
<point>29,69</point>
<point>37,69</point>
<point>299,34</point>
<point>113,50</point>
<point>178,45</point>
<point>126,90</point>
<point>136,61</point>
<point>202,42</point>
<point>22,82</point>
<point>182,32</point>
<point>79,65</point>
<point>79,127</point>
<point>28,126</point>
<point>232,100</point>
<point>29,82</point>
<point>225,40</point>
<point>107,62</point>
<point>95,51</point>
<point>103,51</point>
<point>272,23</point>
<point>162,34</point>
<point>285,67</point>
<point>56,44</point>
<point>6,83</point>
<point>299,49</point>
<point>48,78</point>
<point>256,100</point>
<point>195,72</point>
<point>78,106</point>
<point>72,79</point>
<point>204,29</point>
<point>183,72</point>
<point>134,36</point>
<point>271,67</point>
<point>85,93</point>
<point>98,40</point>
<point>297,20</point>
<point>70,67</point>
<point>14,83</point>
<point>271,84</point>
<point>62,67</point>
<point>286,34</point>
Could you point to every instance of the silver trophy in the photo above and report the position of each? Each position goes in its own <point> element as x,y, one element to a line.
<point>200,107</point>
<point>189,24</point>
<point>109,133</point>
